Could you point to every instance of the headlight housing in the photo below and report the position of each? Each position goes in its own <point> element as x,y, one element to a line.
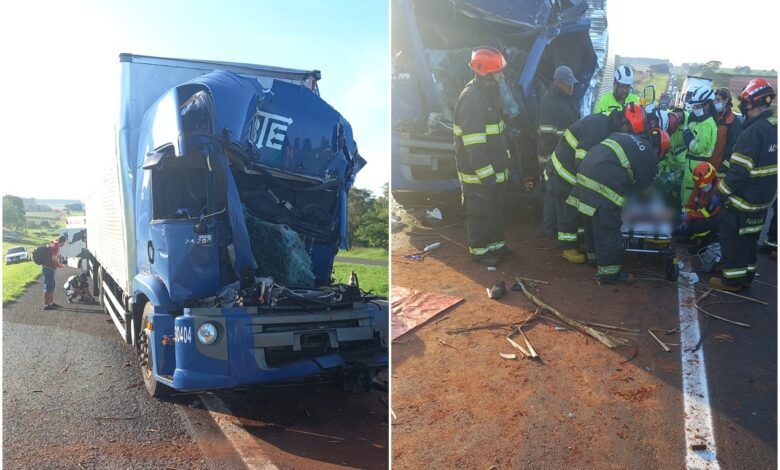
<point>207,333</point>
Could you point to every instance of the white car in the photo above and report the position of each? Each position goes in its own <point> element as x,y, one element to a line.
<point>17,254</point>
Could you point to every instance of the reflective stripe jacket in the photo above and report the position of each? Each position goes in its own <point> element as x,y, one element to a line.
<point>607,102</point>
<point>751,180</point>
<point>729,128</point>
<point>576,141</point>
<point>611,170</point>
<point>480,147</point>
<point>556,113</point>
<point>705,133</point>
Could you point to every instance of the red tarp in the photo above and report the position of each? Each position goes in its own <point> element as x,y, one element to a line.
<point>410,308</point>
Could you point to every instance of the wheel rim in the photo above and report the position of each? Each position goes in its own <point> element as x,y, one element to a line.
<point>145,356</point>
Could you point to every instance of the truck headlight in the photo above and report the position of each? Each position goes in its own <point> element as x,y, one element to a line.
<point>207,333</point>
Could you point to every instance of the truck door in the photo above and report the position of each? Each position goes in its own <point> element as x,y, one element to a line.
<point>183,247</point>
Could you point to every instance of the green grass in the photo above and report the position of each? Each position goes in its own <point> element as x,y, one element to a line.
<point>371,278</point>
<point>658,79</point>
<point>365,253</point>
<point>16,278</point>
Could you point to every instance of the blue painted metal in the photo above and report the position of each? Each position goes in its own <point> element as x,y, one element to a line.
<point>283,127</point>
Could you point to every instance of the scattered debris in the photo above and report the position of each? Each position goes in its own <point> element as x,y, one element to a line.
<point>433,214</point>
<point>487,326</point>
<point>663,345</point>
<point>117,417</point>
<point>64,369</point>
<point>698,446</point>
<point>689,278</point>
<point>607,340</point>
<point>609,327</point>
<point>447,344</point>
<point>723,337</point>
<point>742,296</point>
<point>560,328</point>
<point>518,347</point>
<point>508,356</point>
<point>635,354</point>
<point>392,413</point>
<point>432,246</point>
<point>528,343</point>
<point>744,325</point>
<point>497,291</point>
<point>570,415</point>
<point>491,268</point>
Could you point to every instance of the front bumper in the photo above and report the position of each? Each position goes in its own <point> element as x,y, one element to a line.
<point>254,347</point>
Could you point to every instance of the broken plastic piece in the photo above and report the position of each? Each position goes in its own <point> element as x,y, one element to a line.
<point>508,356</point>
<point>497,291</point>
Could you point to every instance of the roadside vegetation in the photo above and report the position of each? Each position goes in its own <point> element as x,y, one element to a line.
<point>16,277</point>
<point>370,278</point>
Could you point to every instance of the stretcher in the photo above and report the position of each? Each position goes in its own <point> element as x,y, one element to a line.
<point>647,230</point>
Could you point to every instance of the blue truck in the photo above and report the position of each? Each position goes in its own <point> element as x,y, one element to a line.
<point>431,46</point>
<point>212,236</point>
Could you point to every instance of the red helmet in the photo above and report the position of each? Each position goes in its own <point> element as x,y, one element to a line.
<point>486,60</point>
<point>757,91</point>
<point>673,123</point>
<point>635,116</point>
<point>703,174</point>
<point>660,140</point>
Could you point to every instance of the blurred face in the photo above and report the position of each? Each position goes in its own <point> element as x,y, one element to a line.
<point>720,103</point>
<point>621,91</point>
<point>498,76</point>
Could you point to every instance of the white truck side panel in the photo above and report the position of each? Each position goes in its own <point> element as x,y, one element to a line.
<point>105,228</point>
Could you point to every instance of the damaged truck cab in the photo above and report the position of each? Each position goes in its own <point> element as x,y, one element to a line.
<point>213,237</point>
<point>432,42</point>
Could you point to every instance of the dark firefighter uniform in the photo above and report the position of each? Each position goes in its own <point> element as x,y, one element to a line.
<point>556,113</point>
<point>607,174</point>
<point>483,165</point>
<point>748,189</point>
<point>576,141</point>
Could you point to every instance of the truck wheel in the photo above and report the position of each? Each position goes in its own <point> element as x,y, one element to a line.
<point>155,388</point>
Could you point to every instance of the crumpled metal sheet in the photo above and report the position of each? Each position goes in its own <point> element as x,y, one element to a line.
<point>411,308</point>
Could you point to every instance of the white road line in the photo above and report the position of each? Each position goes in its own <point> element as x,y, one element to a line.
<point>245,444</point>
<point>698,416</point>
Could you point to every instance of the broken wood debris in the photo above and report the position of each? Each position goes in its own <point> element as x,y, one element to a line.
<point>447,344</point>
<point>635,354</point>
<point>744,325</point>
<point>606,339</point>
<point>663,345</point>
<point>518,347</point>
<point>609,327</point>
<point>528,343</point>
<point>508,356</point>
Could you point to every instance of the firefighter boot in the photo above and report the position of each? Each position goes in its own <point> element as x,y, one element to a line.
<point>572,255</point>
<point>717,283</point>
<point>620,277</point>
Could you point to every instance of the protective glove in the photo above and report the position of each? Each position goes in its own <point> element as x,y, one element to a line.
<point>715,202</point>
<point>489,181</point>
<point>687,137</point>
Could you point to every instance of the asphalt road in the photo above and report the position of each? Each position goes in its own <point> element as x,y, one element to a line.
<point>73,397</point>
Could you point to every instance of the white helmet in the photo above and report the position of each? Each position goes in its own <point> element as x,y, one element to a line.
<point>663,119</point>
<point>624,75</point>
<point>701,95</point>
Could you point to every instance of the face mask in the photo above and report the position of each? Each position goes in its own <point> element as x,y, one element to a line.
<point>707,188</point>
<point>699,112</point>
<point>719,107</point>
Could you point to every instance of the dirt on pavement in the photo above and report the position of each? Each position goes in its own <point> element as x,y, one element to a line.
<point>581,405</point>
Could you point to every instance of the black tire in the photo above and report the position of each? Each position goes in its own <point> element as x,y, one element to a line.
<point>155,388</point>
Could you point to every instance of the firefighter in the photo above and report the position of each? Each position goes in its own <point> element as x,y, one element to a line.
<point>576,141</point>
<point>729,127</point>
<point>482,156</point>
<point>557,112</point>
<point>699,136</point>
<point>609,171</point>
<point>621,92</point>
<point>748,188</point>
<point>700,214</point>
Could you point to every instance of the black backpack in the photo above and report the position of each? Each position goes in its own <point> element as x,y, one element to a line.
<point>41,254</point>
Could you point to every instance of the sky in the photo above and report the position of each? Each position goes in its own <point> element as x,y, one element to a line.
<point>733,32</point>
<point>61,84</point>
